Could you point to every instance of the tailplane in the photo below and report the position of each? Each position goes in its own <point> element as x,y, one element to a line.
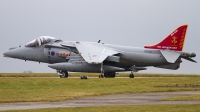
<point>174,41</point>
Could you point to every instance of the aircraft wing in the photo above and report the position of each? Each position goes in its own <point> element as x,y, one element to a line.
<point>93,53</point>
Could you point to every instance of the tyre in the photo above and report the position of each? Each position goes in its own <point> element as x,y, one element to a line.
<point>131,75</point>
<point>109,75</point>
<point>101,76</point>
<point>64,74</point>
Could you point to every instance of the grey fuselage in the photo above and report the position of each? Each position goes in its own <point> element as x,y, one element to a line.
<point>129,55</point>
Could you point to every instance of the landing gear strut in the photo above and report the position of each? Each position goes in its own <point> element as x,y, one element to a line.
<point>131,75</point>
<point>106,74</point>
<point>102,72</point>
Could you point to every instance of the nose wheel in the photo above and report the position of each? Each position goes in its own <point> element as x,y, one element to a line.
<point>62,74</point>
<point>131,75</point>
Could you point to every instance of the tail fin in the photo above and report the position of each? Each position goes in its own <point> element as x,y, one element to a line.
<point>175,41</point>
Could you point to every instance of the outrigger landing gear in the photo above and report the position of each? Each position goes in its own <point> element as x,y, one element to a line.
<point>84,77</point>
<point>102,72</point>
<point>131,75</point>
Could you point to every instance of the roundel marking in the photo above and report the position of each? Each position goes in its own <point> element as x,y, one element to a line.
<point>52,53</point>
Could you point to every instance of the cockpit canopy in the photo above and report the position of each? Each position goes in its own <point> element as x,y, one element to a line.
<point>40,41</point>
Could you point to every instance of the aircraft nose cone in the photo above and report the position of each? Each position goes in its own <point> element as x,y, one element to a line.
<point>6,54</point>
<point>10,53</point>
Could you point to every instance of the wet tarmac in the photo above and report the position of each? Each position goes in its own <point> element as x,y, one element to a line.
<point>106,100</point>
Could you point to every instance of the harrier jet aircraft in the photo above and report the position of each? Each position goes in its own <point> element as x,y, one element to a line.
<point>107,59</point>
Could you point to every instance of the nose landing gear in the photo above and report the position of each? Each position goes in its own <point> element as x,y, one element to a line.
<point>62,74</point>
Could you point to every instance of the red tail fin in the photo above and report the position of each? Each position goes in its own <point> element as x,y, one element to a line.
<point>175,41</point>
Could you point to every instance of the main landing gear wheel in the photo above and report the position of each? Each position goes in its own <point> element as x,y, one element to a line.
<point>131,75</point>
<point>109,75</point>
<point>63,74</point>
<point>101,76</point>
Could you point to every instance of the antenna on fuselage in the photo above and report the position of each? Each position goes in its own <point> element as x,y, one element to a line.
<point>99,41</point>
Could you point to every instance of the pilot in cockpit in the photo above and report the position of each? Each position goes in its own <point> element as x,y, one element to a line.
<point>40,41</point>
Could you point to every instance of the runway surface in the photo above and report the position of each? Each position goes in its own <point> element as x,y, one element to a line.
<point>106,100</point>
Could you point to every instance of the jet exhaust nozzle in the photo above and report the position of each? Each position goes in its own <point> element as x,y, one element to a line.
<point>192,55</point>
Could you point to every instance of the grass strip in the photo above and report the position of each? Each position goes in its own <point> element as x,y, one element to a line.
<point>56,89</point>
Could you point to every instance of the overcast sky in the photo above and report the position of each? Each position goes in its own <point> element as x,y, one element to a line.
<point>124,22</point>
